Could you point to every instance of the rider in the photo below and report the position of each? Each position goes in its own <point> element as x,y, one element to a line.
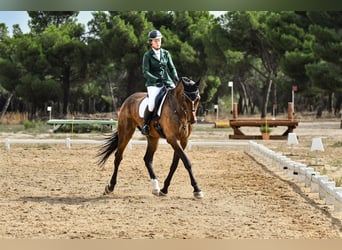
<point>156,63</point>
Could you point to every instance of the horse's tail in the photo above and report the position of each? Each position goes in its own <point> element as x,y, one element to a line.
<point>108,148</point>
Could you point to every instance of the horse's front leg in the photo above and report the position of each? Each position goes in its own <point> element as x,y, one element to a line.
<point>152,144</point>
<point>197,191</point>
<point>187,164</point>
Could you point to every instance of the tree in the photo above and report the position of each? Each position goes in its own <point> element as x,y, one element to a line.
<point>9,79</point>
<point>36,86</point>
<point>187,41</point>
<point>37,91</point>
<point>116,45</point>
<point>66,55</point>
<point>40,20</point>
<point>61,38</point>
<point>326,72</point>
<point>10,71</point>
<point>310,61</point>
<point>264,53</point>
<point>246,33</point>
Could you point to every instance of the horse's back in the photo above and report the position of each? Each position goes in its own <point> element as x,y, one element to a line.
<point>130,107</point>
<point>135,99</point>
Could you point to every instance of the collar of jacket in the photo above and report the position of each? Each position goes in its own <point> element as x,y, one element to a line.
<point>154,54</point>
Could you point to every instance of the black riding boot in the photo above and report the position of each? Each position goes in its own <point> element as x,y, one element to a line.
<point>145,130</point>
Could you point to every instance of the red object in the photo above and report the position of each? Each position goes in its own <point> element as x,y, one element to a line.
<point>294,88</point>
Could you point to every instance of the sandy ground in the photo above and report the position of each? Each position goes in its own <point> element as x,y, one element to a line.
<point>49,191</point>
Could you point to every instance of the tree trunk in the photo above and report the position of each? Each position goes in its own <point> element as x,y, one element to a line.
<point>320,107</point>
<point>240,105</point>
<point>111,88</point>
<point>330,102</point>
<point>244,107</point>
<point>275,101</point>
<point>338,105</point>
<point>4,109</point>
<point>66,90</point>
<point>264,111</point>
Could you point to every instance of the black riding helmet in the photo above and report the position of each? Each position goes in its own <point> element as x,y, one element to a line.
<point>154,34</point>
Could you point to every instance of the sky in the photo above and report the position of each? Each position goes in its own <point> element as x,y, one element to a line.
<point>21,18</point>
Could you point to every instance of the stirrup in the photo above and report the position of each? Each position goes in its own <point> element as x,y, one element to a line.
<point>145,130</point>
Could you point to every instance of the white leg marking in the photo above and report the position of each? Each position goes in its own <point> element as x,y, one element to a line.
<point>155,188</point>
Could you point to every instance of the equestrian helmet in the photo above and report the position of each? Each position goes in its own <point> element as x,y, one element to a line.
<point>154,35</point>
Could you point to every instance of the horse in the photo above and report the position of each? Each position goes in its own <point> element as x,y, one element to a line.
<point>175,123</point>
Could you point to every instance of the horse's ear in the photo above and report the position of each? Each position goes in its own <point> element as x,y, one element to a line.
<point>198,82</point>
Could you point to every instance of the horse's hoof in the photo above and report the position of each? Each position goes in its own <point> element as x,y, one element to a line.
<point>198,195</point>
<point>159,193</point>
<point>156,192</point>
<point>162,194</point>
<point>107,191</point>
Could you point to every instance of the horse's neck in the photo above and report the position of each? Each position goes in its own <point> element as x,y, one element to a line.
<point>175,101</point>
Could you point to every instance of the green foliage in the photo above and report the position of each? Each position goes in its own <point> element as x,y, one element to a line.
<point>325,75</point>
<point>40,20</point>
<point>265,129</point>
<point>3,32</point>
<point>210,88</point>
<point>38,91</point>
<point>29,124</point>
<point>263,52</point>
<point>9,73</point>
<point>83,128</point>
<point>293,64</point>
<point>107,99</point>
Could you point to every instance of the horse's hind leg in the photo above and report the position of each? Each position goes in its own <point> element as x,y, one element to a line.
<point>110,187</point>
<point>148,159</point>
<point>123,139</point>
<point>167,182</point>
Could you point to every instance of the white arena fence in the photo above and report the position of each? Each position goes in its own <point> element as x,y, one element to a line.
<point>300,173</point>
<point>297,172</point>
<point>68,142</point>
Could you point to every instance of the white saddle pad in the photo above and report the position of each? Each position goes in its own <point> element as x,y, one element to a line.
<point>144,103</point>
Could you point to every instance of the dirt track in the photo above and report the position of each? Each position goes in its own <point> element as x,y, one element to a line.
<point>49,191</point>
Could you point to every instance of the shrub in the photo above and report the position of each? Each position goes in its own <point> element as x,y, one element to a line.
<point>29,124</point>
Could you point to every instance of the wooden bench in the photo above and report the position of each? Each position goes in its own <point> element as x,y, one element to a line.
<point>237,123</point>
<point>58,123</point>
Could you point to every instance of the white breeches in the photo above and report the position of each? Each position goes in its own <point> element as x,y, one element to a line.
<point>152,91</point>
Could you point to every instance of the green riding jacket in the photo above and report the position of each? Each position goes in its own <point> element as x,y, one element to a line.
<point>153,69</point>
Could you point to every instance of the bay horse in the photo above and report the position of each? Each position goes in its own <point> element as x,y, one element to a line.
<point>175,124</point>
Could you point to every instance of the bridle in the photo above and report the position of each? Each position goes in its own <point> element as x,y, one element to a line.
<point>190,96</point>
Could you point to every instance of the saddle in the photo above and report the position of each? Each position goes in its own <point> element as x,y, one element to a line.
<point>158,104</point>
<point>160,98</point>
